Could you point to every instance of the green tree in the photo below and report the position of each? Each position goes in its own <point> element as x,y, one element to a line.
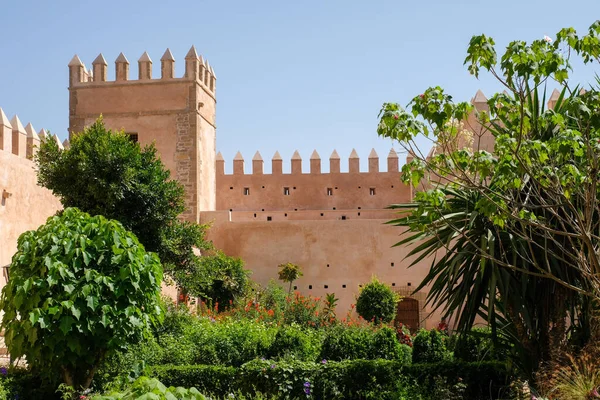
<point>80,288</point>
<point>519,227</point>
<point>105,173</point>
<point>377,302</point>
<point>289,272</point>
<point>216,277</point>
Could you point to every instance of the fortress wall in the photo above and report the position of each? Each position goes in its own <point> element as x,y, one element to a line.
<point>336,256</point>
<point>176,113</point>
<point>23,204</point>
<point>312,190</point>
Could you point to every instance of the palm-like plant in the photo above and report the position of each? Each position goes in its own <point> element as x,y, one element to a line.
<point>289,272</point>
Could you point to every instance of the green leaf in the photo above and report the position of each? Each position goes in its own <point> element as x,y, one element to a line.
<point>92,302</point>
<point>65,324</point>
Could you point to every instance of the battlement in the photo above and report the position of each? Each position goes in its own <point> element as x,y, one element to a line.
<point>22,141</point>
<point>196,69</point>
<point>315,163</point>
<point>314,190</point>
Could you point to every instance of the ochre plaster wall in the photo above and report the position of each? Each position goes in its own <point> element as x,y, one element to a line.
<point>332,253</point>
<point>350,191</point>
<point>28,206</point>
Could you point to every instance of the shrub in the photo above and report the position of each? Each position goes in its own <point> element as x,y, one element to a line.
<point>429,347</point>
<point>84,288</point>
<point>229,342</point>
<point>357,379</point>
<point>352,343</point>
<point>210,379</point>
<point>377,302</point>
<point>477,345</point>
<point>146,388</point>
<point>293,341</point>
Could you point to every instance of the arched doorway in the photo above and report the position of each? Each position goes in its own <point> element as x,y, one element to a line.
<point>408,313</point>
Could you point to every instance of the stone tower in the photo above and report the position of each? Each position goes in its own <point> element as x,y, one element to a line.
<point>177,114</point>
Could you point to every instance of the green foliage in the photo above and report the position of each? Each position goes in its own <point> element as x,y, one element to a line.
<point>210,379</point>
<point>356,379</point>
<point>105,173</point>
<point>476,345</point>
<point>351,343</point>
<point>292,341</point>
<point>518,227</point>
<point>84,287</point>
<point>146,388</point>
<point>289,272</point>
<point>377,302</point>
<point>215,277</point>
<point>429,347</point>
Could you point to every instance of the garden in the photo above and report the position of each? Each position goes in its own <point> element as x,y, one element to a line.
<point>515,231</point>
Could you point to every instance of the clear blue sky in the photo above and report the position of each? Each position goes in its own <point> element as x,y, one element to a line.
<point>304,75</point>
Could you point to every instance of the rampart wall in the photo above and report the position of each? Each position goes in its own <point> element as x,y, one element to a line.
<point>310,190</point>
<point>177,114</point>
<point>337,256</point>
<point>23,204</point>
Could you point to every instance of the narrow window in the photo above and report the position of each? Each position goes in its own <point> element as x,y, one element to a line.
<point>310,286</point>
<point>255,215</point>
<point>372,191</point>
<point>343,286</point>
<point>269,218</point>
<point>393,284</point>
<point>329,192</point>
<point>326,287</point>
<point>246,191</point>
<point>133,136</point>
<point>295,287</point>
<point>286,191</point>
<point>285,214</point>
<point>392,264</point>
<point>343,217</point>
<point>359,214</point>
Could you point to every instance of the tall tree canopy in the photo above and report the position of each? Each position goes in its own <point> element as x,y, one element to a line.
<point>105,173</point>
<point>514,233</point>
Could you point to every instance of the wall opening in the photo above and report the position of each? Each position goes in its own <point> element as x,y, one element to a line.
<point>269,218</point>
<point>329,192</point>
<point>310,286</point>
<point>246,191</point>
<point>286,191</point>
<point>408,313</point>
<point>133,136</point>
<point>372,191</point>
<point>343,286</point>
<point>343,217</point>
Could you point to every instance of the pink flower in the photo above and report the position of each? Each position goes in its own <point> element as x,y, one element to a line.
<point>547,39</point>
<point>422,96</point>
<point>395,117</point>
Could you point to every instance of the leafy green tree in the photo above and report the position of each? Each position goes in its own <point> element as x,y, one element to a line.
<point>215,277</point>
<point>520,226</point>
<point>80,288</point>
<point>289,272</point>
<point>105,173</point>
<point>377,302</point>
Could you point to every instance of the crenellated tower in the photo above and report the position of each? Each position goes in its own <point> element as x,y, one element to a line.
<point>176,113</point>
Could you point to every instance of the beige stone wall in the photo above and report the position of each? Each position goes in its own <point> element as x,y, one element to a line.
<point>27,208</point>
<point>310,191</point>
<point>177,114</point>
<point>337,256</point>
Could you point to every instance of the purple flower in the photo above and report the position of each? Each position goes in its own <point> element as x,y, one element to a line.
<point>3,371</point>
<point>272,366</point>
<point>307,391</point>
<point>306,384</point>
<point>323,361</point>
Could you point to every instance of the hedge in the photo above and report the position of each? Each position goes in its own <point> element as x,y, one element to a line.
<point>354,379</point>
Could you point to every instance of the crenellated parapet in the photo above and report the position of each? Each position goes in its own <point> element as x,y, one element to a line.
<point>196,69</point>
<point>19,140</point>
<point>315,163</point>
<point>255,192</point>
